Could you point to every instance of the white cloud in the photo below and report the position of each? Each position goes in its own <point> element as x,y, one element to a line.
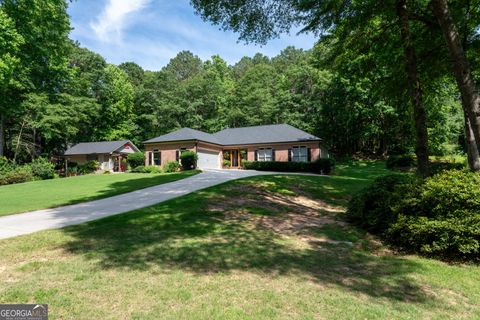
<point>115,17</point>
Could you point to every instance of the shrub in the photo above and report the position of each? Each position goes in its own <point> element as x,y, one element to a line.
<point>439,216</point>
<point>43,169</point>
<point>136,159</point>
<point>401,161</point>
<point>88,167</point>
<point>374,207</point>
<point>17,174</point>
<point>226,163</point>
<point>188,160</point>
<point>72,171</point>
<point>6,165</point>
<point>323,166</point>
<point>171,166</point>
<point>454,238</point>
<point>138,169</point>
<point>446,195</point>
<point>152,169</point>
<point>439,167</point>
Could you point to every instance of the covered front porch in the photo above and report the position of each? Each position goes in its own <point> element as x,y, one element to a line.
<point>233,158</point>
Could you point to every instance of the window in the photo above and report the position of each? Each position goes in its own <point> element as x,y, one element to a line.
<point>264,154</point>
<point>299,154</point>
<point>92,157</point>
<point>157,157</point>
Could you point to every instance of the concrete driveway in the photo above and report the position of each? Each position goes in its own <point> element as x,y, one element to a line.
<point>24,223</point>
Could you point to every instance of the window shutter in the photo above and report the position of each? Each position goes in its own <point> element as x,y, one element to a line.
<point>309,154</point>
<point>273,155</point>
<point>177,155</point>
<point>289,155</point>
<point>159,158</point>
<point>256,155</point>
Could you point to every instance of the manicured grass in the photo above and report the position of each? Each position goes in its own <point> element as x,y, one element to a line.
<point>257,248</point>
<point>44,194</point>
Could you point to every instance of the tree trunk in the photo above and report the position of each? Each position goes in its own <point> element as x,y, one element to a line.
<point>472,149</point>
<point>460,65</point>
<point>2,135</point>
<point>421,148</point>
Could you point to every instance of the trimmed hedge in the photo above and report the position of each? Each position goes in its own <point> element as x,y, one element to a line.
<point>170,166</point>
<point>320,166</point>
<point>438,216</point>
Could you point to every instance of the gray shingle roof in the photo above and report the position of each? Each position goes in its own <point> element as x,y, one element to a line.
<point>183,135</point>
<point>97,147</point>
<point>263,134</point>
<point>247,135</point>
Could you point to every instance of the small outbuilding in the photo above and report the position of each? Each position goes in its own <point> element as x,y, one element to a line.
<point>109,154</point>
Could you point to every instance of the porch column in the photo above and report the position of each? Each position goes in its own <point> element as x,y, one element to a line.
<point>148,154</point>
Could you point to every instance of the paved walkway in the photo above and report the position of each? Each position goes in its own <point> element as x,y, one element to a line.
<point>24,223</point>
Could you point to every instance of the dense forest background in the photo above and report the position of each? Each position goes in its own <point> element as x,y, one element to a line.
<point>350,91</point>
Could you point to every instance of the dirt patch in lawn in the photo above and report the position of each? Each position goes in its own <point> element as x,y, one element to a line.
<point>286,214</point>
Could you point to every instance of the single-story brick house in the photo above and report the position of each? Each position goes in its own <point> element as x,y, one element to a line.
<point>280,142</point>
<point>109,154</point>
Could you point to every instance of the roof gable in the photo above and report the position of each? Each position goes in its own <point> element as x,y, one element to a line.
<point>183,135</point>
<point>98,147</point>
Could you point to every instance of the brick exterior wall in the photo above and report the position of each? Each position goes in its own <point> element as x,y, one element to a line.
<point>169,150</point>
<point>281,150</point>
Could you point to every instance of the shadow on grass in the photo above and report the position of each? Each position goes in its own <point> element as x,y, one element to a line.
<point>184,233</point>
<point>133,184</point>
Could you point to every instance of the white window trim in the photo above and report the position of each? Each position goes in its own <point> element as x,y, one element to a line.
<point>263,156</point>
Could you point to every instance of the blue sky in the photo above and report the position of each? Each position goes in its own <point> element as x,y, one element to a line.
<point>151,32</point>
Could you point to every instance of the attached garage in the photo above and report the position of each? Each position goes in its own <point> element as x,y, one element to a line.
<point>208,159</point>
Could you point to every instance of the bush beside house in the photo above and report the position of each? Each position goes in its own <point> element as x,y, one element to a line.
<point>136,159</point>
<point>188,159</point>
<point>170,166</point>
<point>438,216</point>
<point>320,166</point>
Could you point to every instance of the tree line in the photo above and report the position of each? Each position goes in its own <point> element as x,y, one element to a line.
<point>377,83</point>
<point>434,42</point>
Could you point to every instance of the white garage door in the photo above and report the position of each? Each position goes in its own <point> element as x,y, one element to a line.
<point>208,159</point>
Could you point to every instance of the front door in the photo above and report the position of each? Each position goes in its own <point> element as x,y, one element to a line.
<point>234,162</point>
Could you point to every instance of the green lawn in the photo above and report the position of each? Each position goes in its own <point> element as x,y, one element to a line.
<point>43,194</point>
<point>258,248</point>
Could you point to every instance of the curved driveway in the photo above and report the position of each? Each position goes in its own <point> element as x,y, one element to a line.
<point>24,223</point>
